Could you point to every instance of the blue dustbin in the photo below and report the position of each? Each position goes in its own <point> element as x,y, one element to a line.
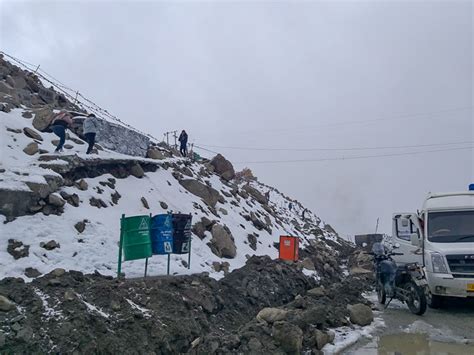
<point>181,233</point>
<point>162,234</point>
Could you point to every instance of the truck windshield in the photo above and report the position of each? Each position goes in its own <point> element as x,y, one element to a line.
<point>451,227</point>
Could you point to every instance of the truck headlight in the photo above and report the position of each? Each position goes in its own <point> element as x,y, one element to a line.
<point>439,266</point>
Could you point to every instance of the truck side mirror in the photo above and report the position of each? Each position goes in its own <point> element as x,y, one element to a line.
<point>415,240</point>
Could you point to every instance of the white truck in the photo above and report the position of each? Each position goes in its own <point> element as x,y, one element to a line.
<point>440,237</point>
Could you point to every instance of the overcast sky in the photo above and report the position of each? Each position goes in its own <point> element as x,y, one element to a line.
<point>286,74</point>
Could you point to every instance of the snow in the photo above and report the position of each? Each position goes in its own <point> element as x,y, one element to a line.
<point>49,312</point>
<point>347,336</point>
<point>91,308</point>
<point>96,249</point>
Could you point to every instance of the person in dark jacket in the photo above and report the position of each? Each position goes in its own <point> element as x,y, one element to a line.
<point>90,127</point>
<point>59,125</point>
<point>183,140</point>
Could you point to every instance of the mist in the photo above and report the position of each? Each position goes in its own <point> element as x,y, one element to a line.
<point>331,77</point>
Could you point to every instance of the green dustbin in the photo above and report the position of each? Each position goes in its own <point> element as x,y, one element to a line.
<point>136,237</point>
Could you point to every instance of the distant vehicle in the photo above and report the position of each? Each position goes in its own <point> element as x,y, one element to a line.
<point>441,238</point>
<point>406,283</point>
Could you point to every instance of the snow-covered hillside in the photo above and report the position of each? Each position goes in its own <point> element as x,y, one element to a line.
<point>63,210</point>
<point>96,248</point>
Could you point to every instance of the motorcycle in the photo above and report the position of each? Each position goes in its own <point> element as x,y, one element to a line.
<point>406,283</point>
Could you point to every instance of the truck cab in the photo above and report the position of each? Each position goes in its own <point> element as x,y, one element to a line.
<point>440,237</point>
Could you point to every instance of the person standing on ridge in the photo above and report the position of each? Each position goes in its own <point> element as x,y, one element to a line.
<point>59,125</point>
<point>183,140</point>
<point>90,127</point>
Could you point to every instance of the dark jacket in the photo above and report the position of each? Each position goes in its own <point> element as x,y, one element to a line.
<point>183,138</point>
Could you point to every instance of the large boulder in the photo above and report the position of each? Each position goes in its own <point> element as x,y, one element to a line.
<point>360,314</point>
<point>271,315</point>
<point>207,193</point>
<point>154,153</point>
<point>6,305</point>
<point>222,242</point>
<point>255,194</point>
<point>42,118</point>
<point>223,167</point>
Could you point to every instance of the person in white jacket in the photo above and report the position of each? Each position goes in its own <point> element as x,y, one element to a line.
<point>90,128</point>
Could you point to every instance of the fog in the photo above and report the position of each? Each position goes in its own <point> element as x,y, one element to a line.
<point>282,76</point>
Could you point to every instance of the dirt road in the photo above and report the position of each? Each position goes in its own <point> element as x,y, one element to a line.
<point>449,330</point>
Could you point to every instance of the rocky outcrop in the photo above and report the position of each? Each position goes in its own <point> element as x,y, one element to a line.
<point>223,167</point>
<point>222,242</point>
<point>17,249</point>
<point>209,195</point>
<point>255,194</point>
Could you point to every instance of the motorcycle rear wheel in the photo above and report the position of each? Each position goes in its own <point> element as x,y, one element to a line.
<point>416,301</point>
<point>381,294</point>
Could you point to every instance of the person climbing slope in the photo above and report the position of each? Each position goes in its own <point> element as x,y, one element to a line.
<point>90,127</point>
<point>183,140</point>
<point>59,125</point>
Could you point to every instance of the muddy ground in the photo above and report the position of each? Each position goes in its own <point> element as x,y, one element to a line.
<point>71,312</point>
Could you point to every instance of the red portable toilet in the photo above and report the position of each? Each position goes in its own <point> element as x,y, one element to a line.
<point>289,248</point>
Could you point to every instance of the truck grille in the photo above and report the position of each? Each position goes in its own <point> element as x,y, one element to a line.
<point>461,263</point>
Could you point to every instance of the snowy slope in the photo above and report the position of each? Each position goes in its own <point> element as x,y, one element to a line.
<point>97,247</point>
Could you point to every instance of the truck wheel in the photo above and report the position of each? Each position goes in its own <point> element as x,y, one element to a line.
<point>434,301</point>
<point>381,295</point>
<point>416,299</point>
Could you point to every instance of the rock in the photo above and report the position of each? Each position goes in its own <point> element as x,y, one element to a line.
<point>56,200</point>
<point>222,242</point>
<point>13,130</point>
<point>223,167</point>
<point>51,245</point>
<point>252,239</point>
<point>164,205</point>
<point>97,202</point>
<point>6,305</point>
<point>199,230</point>
<point>32,133</point>
<point>288,336</point>
<point>145,203</point>
<point>207,193</point>
<point>68,146</point>
<point>71,199</point>
<point>137,171</point>
<point>155,154</point>
<point>223,211</point>
<point>70,295</point>
<point>32,272</point>
<point>360,314</point>
<point>308,264</point>
<point>43,118</point>
<point>317,292</point>
<point>27,114</point>
<point>82,185</point>
<point>58,272</point>
<point>320,338</point>
<point>271,315</point>
<point>31,149</point>
<point>17,249</point>
<point>115,306</point>
<point>80,226</point>
<point>255,194</point>
<point>221,266</point>
<point>115,197</point>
